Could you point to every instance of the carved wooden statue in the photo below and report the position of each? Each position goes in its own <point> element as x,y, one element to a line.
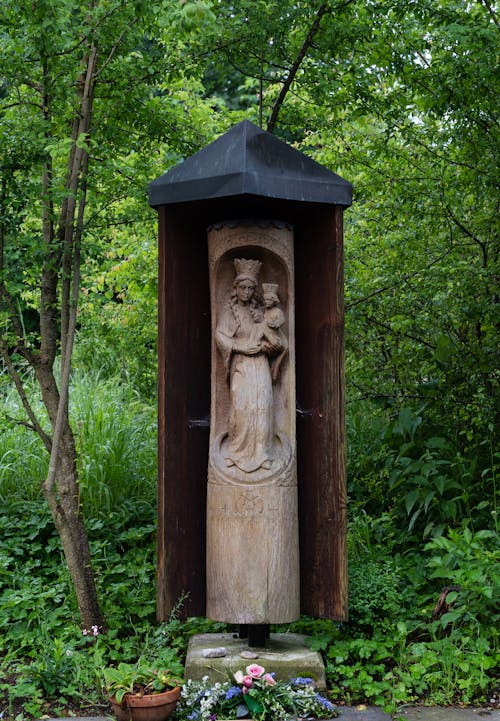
<point>252,526</point>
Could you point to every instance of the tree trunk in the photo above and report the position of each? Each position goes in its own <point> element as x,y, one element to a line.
<point>63,497</point>
<point>62,204</point>
<point>65,509</point>
<point>60,488</point>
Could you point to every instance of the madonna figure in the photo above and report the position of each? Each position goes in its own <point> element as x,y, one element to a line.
<point>246,353</point>
<point>252,474</point>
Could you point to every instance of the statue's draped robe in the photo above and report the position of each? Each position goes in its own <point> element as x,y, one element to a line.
<point>250,430</point>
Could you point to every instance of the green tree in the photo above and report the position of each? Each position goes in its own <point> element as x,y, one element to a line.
<point>401,98</point>
<point>88,91</point>
<point>398,97</point>
<point>417,134</point>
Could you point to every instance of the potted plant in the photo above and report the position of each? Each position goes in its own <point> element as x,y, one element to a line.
<point>141,691</point>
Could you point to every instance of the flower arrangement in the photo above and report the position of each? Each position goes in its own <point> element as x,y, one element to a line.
<point>253,695</point>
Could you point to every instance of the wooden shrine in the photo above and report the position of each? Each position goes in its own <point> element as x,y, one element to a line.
<point>250,176</point>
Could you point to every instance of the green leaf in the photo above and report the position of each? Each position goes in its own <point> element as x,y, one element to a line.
<point>253,704</point>
<point>410,500</point>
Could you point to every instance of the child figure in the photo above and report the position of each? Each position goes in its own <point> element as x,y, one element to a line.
<point>273,319</point>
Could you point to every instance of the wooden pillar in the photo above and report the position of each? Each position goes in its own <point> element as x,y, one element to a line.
<point>320,419</point>
<point>252,519</point>
<point>183,413</point>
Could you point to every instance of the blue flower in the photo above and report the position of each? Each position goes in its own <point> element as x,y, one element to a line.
<point>325,702</point>
<point>300,681</point>
<point>232,692</point>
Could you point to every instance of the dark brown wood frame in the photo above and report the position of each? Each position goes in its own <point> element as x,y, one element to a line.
<point>184,398</point>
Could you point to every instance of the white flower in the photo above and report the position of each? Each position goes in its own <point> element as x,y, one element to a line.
<point>239,676</point>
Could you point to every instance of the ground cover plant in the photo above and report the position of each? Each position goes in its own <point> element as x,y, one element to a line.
<point>392,651</point>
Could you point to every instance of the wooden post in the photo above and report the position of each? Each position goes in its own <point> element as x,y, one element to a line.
<point>252,518</point>
<point>320,422</point>
<point>249,173</point>
<point>183,414</point>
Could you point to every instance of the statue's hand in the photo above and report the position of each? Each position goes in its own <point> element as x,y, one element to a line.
<point>247,348</point>
<point>272,346</point>
<point>253,348</point>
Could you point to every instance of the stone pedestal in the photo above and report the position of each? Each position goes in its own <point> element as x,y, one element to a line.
<point>286,654</point>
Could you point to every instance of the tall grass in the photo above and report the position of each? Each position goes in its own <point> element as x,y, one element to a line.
<point>116,440</point>
<point>23,458</point>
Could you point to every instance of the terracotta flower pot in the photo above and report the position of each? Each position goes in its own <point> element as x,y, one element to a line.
<point>151,707</point>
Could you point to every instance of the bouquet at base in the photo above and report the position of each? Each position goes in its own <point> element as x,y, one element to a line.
<point>253,694</point>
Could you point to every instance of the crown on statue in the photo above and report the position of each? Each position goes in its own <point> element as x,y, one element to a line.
<point>271,288</point>
<point>246,268</point>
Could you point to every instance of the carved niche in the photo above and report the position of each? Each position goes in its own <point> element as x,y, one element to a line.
<point>252,523</point>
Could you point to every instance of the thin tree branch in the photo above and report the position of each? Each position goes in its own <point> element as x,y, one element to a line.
<point>23,103</point>
<point>487,5</point>
<point>62,408</point>
<point>404,279</point>
<point>368,297</point>
<point>385,326</point>
<point>323,8</point>
<point>114,49</point>
<point>247,74</point>
<point>16,323</point>
<point>78,161</point>
<point>20,422</point>
<point>34,425</point>
<point>469,234</point>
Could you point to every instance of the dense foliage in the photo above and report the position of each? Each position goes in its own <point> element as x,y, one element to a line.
<point>398,97</point>
<point>392,651</point>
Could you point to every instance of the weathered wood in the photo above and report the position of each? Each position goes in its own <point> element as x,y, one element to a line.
<point>252,522</point>
<point>442,606</point>
<point>183,413</point>
<point>184,399</point>
<point>320,423</point>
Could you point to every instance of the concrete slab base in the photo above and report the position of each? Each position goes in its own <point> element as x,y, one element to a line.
<point>285,654</point>
<point>417,713</point>
<point>361,713</point>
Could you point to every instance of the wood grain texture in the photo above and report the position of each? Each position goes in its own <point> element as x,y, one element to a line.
<point>184,350</point>
<point>252,522</point>
<point>320,424</point>
<point>184,403</point>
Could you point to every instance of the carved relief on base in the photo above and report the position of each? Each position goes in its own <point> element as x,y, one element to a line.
<point>282,472</point>
<point>253,560</point>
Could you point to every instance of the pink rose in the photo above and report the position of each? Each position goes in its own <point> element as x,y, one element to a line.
<point>270,680</point>
<point>255,671</point>
<point>247,681</point>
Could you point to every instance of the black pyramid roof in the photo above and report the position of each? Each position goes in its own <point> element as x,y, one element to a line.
<point>249,161</point>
